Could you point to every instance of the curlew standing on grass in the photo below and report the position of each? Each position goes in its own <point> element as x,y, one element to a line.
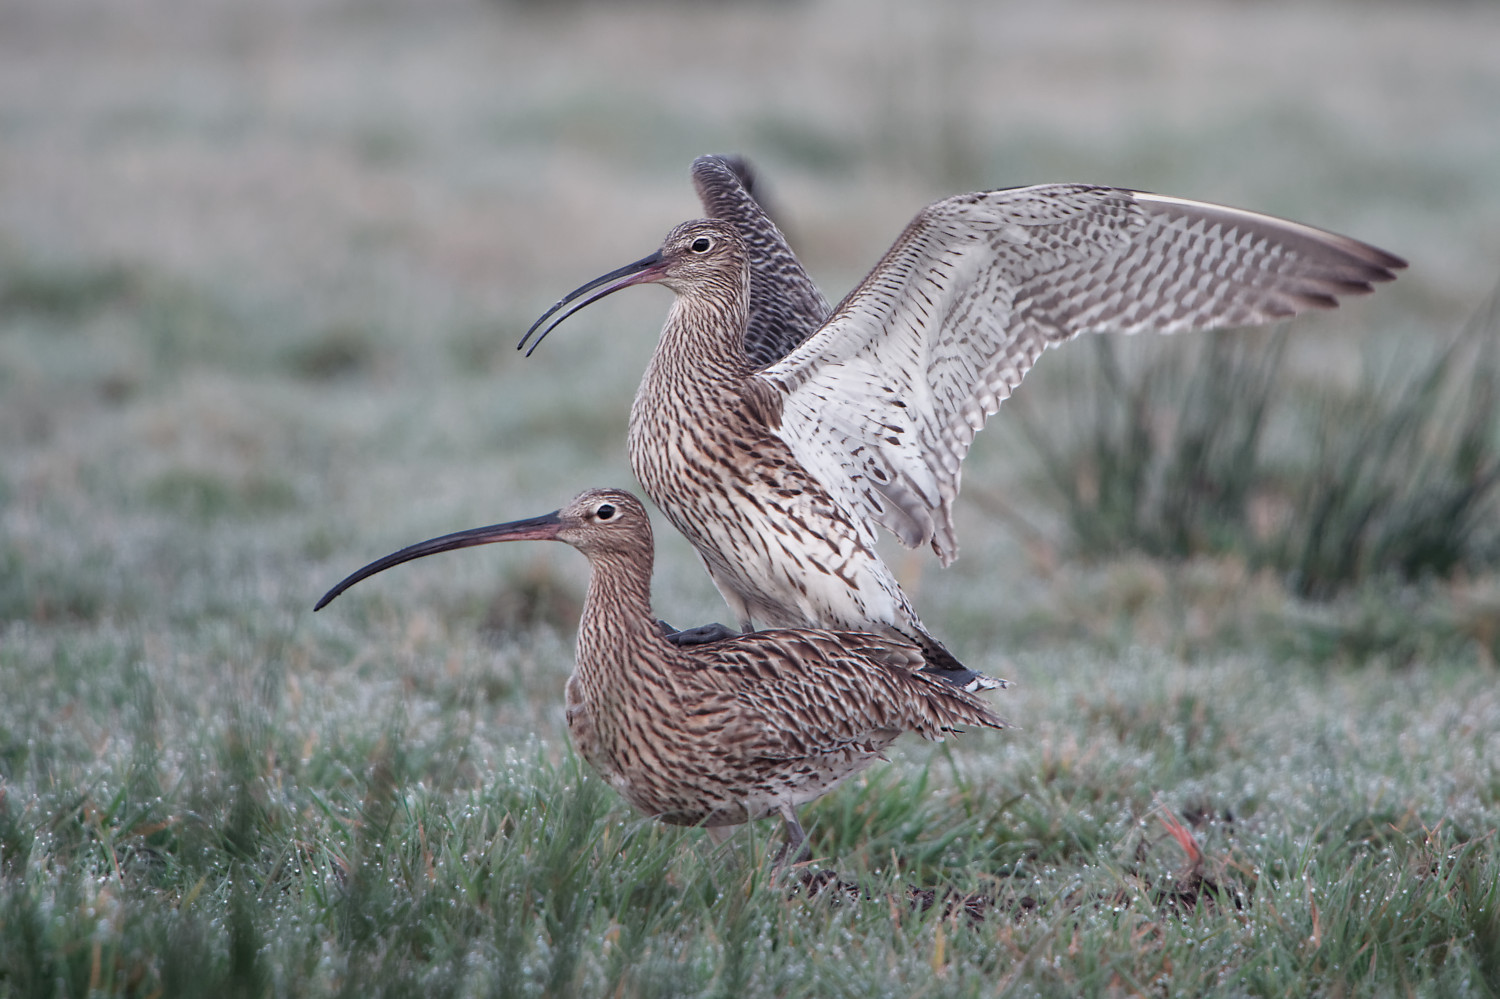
<point>721,733</point>
<point>777,439</point>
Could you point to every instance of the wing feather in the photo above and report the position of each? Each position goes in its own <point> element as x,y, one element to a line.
<point>807,694</point>
<point>883,401</point>
<point>785,306</point>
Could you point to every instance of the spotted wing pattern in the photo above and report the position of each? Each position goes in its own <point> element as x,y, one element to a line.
<point>882,403</point>
<point>785,306</point>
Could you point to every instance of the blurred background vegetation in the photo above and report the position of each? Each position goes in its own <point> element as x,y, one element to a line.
<point>262,270</point>
<point>259,264</point>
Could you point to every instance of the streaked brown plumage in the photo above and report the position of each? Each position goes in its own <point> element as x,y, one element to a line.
<point>779,472</point>
<point>722,733</point>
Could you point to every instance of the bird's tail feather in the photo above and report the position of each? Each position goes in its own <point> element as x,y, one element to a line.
<point>944,665</point>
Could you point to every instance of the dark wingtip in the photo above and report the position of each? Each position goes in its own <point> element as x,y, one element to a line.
<point>1387,261</point>
<point>1319,300</point>
<point>1377,267</point>
<point>1369,263</point>
<point>1355,286</point>
<point>742,170</point>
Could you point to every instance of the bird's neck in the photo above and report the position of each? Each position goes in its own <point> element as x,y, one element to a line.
<point>704,337</point>
<point>618,631</point>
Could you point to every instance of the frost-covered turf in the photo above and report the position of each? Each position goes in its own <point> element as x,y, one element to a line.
<point>412,822</point>
<point>261,270</point>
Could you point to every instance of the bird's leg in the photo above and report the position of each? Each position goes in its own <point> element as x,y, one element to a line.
<point>701,635</point>
<point>720,836</point>
<point>796,849</point>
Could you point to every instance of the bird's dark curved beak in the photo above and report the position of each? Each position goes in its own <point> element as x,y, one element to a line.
<point>537,528</point>
<point>643,271</point>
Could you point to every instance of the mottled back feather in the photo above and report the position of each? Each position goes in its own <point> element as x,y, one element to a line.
<point>843,688</point>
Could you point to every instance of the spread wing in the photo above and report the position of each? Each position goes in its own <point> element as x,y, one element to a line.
<point>882,403</point>
<point>785,306</point>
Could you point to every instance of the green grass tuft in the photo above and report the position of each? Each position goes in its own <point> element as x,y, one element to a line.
<point>204,495</point>
<point>63,293</point>
<point>341,351</point>
<point>1183,456</point>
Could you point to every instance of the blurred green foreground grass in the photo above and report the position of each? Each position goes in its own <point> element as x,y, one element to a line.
<point>258,294</point>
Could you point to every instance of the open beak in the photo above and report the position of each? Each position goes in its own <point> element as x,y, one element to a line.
<point>643,271</point>
<point>537,528</point>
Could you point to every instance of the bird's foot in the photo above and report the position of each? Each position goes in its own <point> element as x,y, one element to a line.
<point>820,882</point>
<point>791,855</point>
<point>701,635</point>
<point>975,906</point>
<point>796,850</point>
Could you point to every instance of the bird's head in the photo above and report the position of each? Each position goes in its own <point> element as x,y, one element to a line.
<point>599,523</point>
<point>704,257</point>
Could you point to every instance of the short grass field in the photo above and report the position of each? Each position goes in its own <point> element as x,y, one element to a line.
<point>262,270</point>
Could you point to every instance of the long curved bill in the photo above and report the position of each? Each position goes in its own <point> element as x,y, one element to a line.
<point>643,271</point>
<point>537,528</point>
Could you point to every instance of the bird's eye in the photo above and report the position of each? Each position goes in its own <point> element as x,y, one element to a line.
<point>605,511</point>
<point>701,244</point>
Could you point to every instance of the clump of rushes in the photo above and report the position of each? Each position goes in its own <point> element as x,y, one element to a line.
<point>1395,479</point>
<point>1160,458</point>
<point>1404,482</point>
